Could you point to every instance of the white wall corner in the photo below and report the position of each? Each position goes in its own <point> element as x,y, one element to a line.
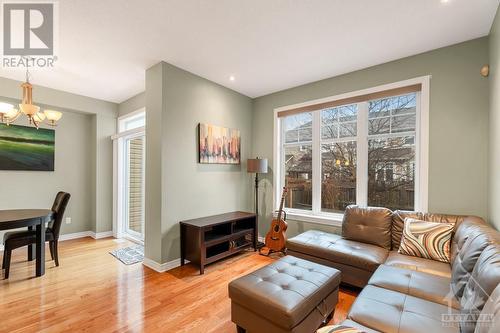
<point>161,268</point>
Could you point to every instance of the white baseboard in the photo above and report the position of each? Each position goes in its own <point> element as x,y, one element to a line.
<point>261,239</point>
<point>83,234</point>
<point>160,268</point>
<point>75,235</point>
<point>99,235</point>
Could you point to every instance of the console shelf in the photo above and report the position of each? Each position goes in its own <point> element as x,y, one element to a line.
<point>209,239</point>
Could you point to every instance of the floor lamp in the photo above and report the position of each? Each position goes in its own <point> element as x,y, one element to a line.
<point>257,165</point>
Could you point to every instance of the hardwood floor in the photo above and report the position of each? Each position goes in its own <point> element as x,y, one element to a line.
<point>91,291</point>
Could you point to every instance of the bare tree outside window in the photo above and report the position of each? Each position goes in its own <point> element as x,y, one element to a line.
<point>338,158</point>
<point>298,161</point>
<point>391,152</point>
<point>388,143</point>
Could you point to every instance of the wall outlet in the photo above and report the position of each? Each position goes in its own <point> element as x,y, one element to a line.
<point>68,220</point>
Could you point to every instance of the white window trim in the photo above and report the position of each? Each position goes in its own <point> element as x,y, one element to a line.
<point>128,116</point>
<point>421,154</point>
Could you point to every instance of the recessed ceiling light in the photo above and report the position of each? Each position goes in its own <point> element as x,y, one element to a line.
<point>445,1</point>
<point>231,78</point>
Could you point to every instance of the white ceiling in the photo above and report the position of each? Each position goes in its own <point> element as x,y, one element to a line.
<point>268,45</point>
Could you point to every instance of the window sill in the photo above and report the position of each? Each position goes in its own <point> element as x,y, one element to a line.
<point>332,220</point>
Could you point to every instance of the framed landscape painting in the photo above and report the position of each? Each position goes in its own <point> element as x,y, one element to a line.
<point>218,145</point>
<point>26,148</point>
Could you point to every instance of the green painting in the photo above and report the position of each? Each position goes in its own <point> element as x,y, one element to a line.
<point>26,148</point>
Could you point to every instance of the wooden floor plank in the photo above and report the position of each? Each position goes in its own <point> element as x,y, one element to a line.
<point>91,291</point>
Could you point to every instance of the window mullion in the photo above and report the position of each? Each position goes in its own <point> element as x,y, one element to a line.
<point>362,156</point>
<point>316,162</point>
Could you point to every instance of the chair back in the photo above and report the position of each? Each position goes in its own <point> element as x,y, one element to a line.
<point>59,206</point>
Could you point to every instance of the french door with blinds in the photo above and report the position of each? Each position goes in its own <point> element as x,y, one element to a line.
<point>129,146</point>
<point>134,148</point>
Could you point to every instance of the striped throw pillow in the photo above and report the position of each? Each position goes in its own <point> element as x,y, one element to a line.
<point>430,240</point>
<point>338,329</point>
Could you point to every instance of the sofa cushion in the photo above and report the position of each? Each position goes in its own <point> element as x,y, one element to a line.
<point>489,321</point>
<point>357,254</point>
<point>370,225</point>
<point>463,231</point>
<point>430,287</point>
<point>418,264</point>
<point>351,275</point>
<point>423,239</point>
<point>285,291</point>
<point>390,311</point>
<point>477,239</point>
<point>313,242</point>
<point>484,279</point>
<point>336,249</point>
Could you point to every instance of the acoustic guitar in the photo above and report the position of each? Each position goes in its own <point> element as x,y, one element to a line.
<point>276,237</point>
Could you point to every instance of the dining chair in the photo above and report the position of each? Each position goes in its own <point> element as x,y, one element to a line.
<point>15,239</point>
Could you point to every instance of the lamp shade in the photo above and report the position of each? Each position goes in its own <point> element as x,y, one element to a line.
<point>5,107</point>
<point>53,115</point>
<point>257,165</point>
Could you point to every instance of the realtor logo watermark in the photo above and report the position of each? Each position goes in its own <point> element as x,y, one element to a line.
<point>470,316</point>
<point>30,31</point>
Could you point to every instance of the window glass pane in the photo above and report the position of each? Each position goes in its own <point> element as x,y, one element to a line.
<point>134,122</point>
<point>298,177</point>
<point>135,190</point>
<point>392,115</point>
<point>403,123</point>
<point>329,116</point>
<point>330,131</point>
<point>391,172</point>
<point>379,126</point>
<point>348,112</point>
<point>338,176</point>
<point>339,122</point>
<point>305,134</point>
<point>298,128</point>
<point>347,130</point>
<point>291,136</point>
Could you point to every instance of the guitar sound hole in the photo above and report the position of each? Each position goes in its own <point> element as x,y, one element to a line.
<point>276,228</point>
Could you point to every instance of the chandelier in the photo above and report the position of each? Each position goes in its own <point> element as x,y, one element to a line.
<point>9,114</point>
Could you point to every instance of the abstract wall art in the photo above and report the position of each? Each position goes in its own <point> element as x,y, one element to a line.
<point>26,148</point>
<point>218,145</point>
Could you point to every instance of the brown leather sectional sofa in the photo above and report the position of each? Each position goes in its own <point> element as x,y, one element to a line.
<point>409,294</point>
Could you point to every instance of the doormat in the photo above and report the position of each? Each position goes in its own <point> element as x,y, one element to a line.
<point>129,255</point>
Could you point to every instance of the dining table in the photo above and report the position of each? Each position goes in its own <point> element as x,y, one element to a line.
<point>32,219</point>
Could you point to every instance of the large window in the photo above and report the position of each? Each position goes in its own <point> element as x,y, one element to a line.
<point>364,152</point>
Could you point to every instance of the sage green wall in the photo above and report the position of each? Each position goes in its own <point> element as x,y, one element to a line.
<point>458,122</point>
<point>132,104</point>
<point>84,160</point>
<point>154,195</point>
<point>494,152</point>
<point>73,165</point>
<point>176,101</point>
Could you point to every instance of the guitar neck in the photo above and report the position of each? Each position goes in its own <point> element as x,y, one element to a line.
<point>280,212</point>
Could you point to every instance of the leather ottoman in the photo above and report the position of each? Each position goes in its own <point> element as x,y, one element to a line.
<point>289,295</point>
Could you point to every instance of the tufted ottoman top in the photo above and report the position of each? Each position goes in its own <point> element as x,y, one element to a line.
<point>286,291</point>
